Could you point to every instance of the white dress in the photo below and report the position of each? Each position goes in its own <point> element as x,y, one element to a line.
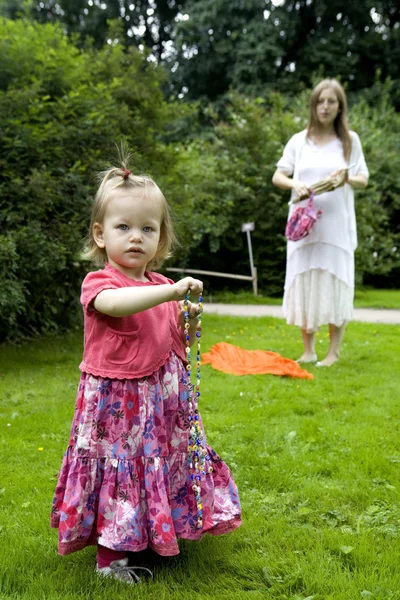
<point>319,284</point>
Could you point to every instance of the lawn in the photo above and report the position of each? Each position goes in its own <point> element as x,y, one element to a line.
<point>364,298</point>
<point>316,462</point>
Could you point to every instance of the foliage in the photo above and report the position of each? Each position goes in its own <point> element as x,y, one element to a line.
<point>378,207</point>
<point>316,463</point>
<point>61,112</point>
<point>141,22</point>
<point>247,45</point>
<point>261,44</point>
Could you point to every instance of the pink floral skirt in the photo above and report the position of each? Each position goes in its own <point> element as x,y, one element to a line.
<point>124,479</point>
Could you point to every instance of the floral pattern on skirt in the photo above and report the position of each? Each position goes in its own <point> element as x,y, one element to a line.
<point>124,479</point>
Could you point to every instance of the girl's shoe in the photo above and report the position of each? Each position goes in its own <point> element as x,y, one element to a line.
<point>119,569</point>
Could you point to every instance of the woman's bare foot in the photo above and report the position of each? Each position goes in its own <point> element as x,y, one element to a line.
<point>307,358</point>
<point>328,360</point>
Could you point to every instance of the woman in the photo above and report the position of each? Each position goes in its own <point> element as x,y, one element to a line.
<point>319,285</point>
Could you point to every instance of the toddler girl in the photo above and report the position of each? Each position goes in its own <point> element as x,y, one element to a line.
<point>126,483</point>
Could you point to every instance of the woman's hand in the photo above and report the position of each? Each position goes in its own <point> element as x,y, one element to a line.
<point>340,177</point>
<point>302,190</point>
<point>182,286</point>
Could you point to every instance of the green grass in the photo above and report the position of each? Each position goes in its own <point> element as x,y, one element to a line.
<point>364,298</point>
<point>371,298</point>
<point>316,462</point>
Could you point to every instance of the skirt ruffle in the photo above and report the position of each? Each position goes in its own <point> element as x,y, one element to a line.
<point>316,298</point>
<point>124,479</point>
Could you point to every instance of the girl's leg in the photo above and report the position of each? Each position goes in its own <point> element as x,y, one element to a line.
<point>336,336</point>
<point>309,347</point>
<point>111,563</point>
<point>105,556</point>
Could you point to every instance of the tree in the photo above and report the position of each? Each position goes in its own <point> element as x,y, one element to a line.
<point>142,22</point>
<point>253,46</point>
<point>257,45</point>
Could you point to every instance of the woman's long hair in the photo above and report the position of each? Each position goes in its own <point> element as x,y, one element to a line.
<point>340,124</point>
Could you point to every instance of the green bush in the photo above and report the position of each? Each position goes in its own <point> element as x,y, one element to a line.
<point>61,113</point>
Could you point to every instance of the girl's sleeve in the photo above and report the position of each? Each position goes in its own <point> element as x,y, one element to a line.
<point>93,284</point>
<point>360,167</point>
<point>287,161</point>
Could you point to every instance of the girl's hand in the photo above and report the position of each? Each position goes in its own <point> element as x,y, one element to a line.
<point>187,283</point>
<point>302,190</point>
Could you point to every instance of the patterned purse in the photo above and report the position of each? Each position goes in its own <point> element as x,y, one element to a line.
<point>302,220</point>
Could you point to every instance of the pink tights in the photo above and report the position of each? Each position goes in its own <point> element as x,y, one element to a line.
<point>105,556</point>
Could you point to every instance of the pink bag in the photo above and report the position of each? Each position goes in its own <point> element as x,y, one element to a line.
<point>302,221</point>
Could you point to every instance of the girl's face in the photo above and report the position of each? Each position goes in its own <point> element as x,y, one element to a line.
<point>130,232</point>
<point>328,107</point>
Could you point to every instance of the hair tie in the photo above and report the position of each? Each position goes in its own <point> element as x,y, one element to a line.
<point>126,173</point>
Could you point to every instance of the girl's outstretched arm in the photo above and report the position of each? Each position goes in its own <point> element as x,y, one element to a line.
<point>126,301</point>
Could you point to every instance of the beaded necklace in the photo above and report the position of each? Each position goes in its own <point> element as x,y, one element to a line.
<point>198,458</point>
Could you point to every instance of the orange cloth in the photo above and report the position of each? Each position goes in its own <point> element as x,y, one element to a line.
<point>237,361</point>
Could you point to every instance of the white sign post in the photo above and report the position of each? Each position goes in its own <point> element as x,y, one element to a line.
<point>248,227</point>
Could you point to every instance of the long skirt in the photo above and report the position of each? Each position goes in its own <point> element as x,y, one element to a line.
<point>319,287</point>
<point>124,482</point>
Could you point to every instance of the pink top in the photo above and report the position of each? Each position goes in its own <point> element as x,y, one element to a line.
<point>127,347</point>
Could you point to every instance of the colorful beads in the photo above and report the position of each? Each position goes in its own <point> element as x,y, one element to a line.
<point>198,458</point>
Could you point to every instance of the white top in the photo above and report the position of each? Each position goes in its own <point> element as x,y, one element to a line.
<point>309,163</point>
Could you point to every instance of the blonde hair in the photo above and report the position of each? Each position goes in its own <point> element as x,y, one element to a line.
<point>340,124</point>
<point>120,179</point>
